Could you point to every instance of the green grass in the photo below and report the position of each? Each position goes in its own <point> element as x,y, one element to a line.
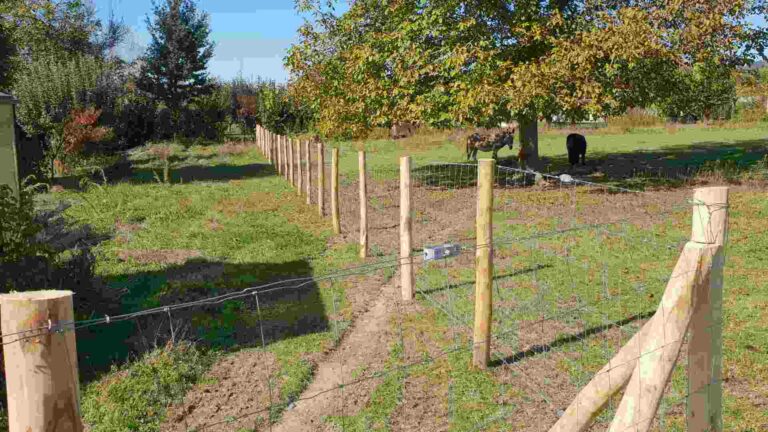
<point>688,146</point>
<point>249,227</point>
<point>615,275</point>
<point>133,397</point>
<point>242,226</point>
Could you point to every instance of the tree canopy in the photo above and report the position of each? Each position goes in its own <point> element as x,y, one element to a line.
<point>175,64</point>
<point>478,62</point>
<point>59,27</point>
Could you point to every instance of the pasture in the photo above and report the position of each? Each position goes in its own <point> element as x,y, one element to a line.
<point>226,222</point>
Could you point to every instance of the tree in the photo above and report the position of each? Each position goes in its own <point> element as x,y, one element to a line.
<point>56,28</point>
<point>175,63</point>
<point>483,61</point>
<point>7,56</point>
<point>51,91</point>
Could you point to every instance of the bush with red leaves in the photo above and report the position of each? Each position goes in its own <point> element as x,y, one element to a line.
<point>81,129</point>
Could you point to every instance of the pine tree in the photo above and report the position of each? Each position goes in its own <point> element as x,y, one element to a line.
<point>174,69</point>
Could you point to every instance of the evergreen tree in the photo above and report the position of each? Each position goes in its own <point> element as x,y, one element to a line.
<point>174,69</point>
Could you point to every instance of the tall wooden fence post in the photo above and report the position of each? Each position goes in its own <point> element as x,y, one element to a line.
<point>308,173</point>
<point>335,190</point>
<point>287,158</point>
<point>280,155</point>
<point>406,260</point>
<point>705,348</point>
<point>291,162</point>
<point>363,206</point>
<point>320,179</point>
<point>40,361</point>
<point>284,159</point>
<point>299,168</point>
<point>481,348</point>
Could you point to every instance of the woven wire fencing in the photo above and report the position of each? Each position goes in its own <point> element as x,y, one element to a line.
<point>578,268</point>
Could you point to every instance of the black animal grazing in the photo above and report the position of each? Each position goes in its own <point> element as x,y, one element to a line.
<point>577,149</point>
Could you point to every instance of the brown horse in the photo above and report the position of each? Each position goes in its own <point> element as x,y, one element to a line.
<point>402,130</point>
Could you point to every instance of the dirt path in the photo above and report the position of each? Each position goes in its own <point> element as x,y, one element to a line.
<point>364,348</point>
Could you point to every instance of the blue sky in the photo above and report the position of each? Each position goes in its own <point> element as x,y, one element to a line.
<point>251,36</point>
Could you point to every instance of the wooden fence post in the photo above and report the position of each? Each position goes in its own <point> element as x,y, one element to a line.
<point>692,300</point>
<point>286,157</point>
<point>363,205</point>
<point>291,162</point>
<point>335,190</point>
<point>660,349</point>
<point>258,140</point>
<point>41,368</point>
<point>705,346</point>
<point>406,260</point>
<point>320,178</point>
<point>481,348</point>
<point>280,156</point>
<point>308,173</point>
<point>299,169</point>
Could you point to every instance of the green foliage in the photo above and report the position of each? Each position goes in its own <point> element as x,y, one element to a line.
<point>445,63</point>
<point>134,398</point>
<point>178,54</point>
<point>48,27</point>
<point>18,226</point>
<point>7,56</point>
<point>705,91</point>
<point>271,105</point>
<point>48,89</point>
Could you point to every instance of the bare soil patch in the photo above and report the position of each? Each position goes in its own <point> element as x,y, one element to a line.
<point>364,348</point>
<point>236,385</point>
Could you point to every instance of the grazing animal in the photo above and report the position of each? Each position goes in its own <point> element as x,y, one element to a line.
<point>489,142</point>
<point>577,149</point>
<point>402,130</point>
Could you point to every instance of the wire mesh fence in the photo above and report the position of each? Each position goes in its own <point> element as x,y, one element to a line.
<point>578,268</point>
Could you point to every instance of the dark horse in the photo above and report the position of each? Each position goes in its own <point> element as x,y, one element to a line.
<point>577,149</point>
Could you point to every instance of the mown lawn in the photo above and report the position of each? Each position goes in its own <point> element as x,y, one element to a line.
<point>225,222</point>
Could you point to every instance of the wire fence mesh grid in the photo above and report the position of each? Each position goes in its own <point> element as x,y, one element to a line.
<point>566,299</point>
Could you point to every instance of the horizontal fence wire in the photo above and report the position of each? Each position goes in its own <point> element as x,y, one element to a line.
<point>458,176</point>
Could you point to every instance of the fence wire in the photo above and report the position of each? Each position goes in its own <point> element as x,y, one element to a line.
<point>579,267</point>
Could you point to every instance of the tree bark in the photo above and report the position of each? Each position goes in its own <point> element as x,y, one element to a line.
<point>529,141</point>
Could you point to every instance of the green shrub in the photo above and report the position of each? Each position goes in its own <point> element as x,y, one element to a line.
<point>18,226</point>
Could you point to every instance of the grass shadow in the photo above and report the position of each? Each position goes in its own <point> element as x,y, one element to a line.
<point>286,308</point>
<point>564,340</point>
<point>496,278</point>
<point>668,166</point>
<point>192,173</point>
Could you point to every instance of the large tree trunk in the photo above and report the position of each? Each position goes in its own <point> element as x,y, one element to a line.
<point>529,141</point>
